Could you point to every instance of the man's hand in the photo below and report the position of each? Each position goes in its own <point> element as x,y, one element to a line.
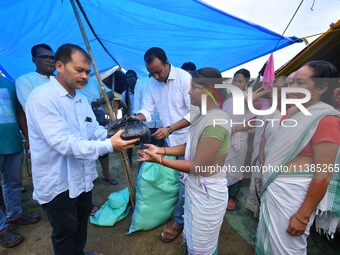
<point>119,144</point>
<point>161,133</point>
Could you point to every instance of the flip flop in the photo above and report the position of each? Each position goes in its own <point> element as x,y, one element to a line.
<point>10,239</point>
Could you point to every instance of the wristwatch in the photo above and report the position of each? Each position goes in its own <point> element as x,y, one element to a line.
<point>170,130</point>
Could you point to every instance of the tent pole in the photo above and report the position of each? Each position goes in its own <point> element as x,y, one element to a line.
<point>126,167</point>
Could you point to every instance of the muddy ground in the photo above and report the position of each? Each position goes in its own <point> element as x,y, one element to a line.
<point>112,240</point>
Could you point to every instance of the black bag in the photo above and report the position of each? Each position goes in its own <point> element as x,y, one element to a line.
<point>133,129</point>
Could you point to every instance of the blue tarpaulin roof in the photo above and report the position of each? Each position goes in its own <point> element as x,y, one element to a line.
<point>187,30</point>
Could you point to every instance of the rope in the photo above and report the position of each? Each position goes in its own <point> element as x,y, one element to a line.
<point>308,36</point>
<point>312,5</point>
<point>289,23</point>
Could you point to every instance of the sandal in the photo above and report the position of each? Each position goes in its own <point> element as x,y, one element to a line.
<point>171,232</point>
<point>9,238</point>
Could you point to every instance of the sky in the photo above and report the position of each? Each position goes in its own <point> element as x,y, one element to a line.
<point>275,15</point>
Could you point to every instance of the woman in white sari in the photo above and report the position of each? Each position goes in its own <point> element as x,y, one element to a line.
<point>261,135</point>
<point>308,186</point>
<point>239,143</point>
<point>206,192</point>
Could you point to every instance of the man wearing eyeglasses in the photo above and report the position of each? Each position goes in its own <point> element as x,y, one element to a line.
<point>43,58</point>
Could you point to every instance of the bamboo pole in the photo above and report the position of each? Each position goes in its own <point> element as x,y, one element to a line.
<point>126,167</point>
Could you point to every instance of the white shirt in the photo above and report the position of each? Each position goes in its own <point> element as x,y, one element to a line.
<point>65,141</point>
<point>172,102</point>
<point>26,83</point>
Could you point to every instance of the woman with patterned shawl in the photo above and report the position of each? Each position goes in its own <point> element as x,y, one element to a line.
<point>307,187</point>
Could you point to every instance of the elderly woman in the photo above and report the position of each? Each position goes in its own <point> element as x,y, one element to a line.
<point>206,192</point>
<point>309,185</point>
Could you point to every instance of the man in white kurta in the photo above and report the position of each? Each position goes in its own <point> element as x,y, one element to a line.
<point>168,94</point>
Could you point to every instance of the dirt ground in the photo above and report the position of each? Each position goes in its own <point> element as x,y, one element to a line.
<point>114,240</point>
<point>111,240</point>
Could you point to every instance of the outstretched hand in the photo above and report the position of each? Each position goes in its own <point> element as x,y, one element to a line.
<point>148,156</point>
<point>152,148</point>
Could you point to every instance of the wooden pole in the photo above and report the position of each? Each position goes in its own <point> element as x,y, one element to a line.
<point>126,167</point>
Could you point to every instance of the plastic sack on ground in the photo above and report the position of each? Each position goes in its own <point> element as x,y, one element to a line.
<point>113,210</point>
<point>156,196</point>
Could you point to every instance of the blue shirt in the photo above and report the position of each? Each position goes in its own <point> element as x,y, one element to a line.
<point>65,141</point>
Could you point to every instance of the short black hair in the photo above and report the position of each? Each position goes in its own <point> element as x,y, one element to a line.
<point>155,52</point>
<point>37,46</point>
<point>189,66</point>
<point>325,72</point>
<point>208,77</point>
<point>65,51</point>
<point>131,71</point>
<point>244,72</point>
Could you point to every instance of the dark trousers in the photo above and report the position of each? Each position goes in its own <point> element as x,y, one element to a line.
<point>68,218</point>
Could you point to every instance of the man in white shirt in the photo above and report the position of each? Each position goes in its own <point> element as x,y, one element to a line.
<point>168,94</point>
<point>43,58</point>
<point>66,140</point>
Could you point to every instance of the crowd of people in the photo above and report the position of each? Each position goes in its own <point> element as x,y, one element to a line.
<point>62,119</point>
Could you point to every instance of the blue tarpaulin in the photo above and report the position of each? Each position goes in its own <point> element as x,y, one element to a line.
<point>187,30</point>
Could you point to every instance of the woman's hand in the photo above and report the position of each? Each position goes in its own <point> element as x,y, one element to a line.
<point>150,147</point>
<point>235,129</point>
<point>149,156</point>
<point>297,226</point>
<point>153,148</point>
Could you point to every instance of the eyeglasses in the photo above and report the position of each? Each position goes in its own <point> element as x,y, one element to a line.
<point>46,58</point>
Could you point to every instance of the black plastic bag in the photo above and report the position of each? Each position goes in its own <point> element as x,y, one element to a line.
<point>133,129</point>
